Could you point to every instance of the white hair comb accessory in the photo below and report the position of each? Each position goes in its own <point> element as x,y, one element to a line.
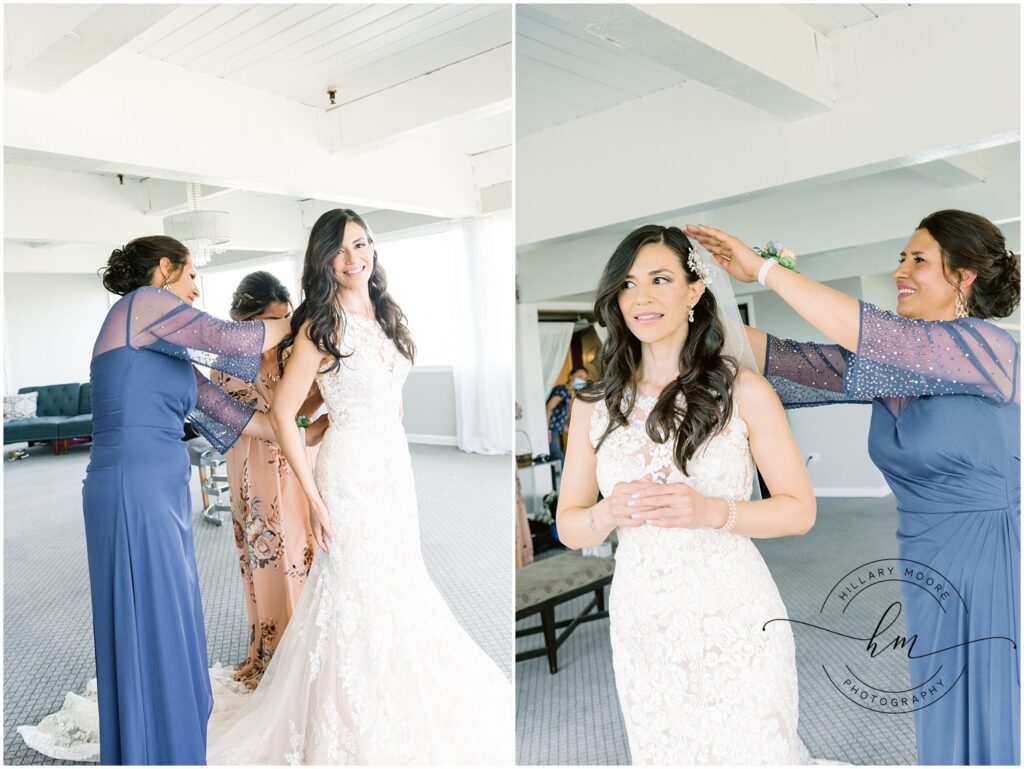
<point>698,265</point>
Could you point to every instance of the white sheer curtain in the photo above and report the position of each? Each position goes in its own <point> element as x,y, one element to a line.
<point>555,339</point>
<point>484,251</point>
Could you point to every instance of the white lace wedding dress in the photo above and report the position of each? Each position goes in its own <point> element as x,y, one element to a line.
<point>699,682</point>
<point>373,667</point>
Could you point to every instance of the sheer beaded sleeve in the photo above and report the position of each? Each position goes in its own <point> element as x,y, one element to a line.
<point>808,373</point>
<point>217,416</point>
<point>900,357</point>
<point>158,320</point>
<point>897,358</point>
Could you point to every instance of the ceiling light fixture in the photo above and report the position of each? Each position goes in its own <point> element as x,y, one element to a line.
<point>204,233</point>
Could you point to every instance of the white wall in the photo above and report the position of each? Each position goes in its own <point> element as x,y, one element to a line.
<point>52,324</point>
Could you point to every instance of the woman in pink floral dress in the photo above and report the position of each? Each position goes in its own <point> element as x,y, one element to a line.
<point>269,509</point>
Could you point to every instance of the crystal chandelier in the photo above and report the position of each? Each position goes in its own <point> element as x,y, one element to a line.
<point>204,233</point>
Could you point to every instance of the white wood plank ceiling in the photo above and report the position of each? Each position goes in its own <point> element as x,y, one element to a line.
<point>832,17</point>
<point>563,74</point>
<point>298,51</point>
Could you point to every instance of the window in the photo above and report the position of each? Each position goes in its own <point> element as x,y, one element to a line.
<point>420,270</point>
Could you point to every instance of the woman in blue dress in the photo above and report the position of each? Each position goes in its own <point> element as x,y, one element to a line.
<point>151,666</point>
<point>945,433</point>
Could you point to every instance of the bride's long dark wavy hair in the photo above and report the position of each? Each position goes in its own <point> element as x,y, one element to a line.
<point>320,287</point>
<point>706,376</point>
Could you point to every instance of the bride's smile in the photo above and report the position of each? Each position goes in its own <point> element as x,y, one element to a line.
<point>655,297</point>
<point>353,264</point>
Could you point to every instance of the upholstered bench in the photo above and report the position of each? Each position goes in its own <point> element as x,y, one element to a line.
<point>545,584</point>
<point>63,412</point>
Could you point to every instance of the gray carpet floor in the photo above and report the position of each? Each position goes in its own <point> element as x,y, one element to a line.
<point>466,525</point>
<point>573,717</point>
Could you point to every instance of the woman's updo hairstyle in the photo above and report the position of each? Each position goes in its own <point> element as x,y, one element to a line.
<point>132,266</point>
<point>255,292</point>
<point>969,241</point>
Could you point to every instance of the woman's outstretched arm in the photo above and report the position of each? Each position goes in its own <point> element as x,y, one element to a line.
<point>832,312</point>
<point>289,397</point>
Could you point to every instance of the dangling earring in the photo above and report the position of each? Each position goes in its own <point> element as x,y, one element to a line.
<point>961,305</point>
<point>691,313</point>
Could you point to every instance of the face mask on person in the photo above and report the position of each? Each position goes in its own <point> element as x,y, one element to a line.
<point>579,384</point>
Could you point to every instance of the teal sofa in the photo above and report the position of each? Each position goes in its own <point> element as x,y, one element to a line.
<point>63,412</point>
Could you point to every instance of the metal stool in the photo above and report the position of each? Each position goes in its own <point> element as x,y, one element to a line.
<point>213,480</point>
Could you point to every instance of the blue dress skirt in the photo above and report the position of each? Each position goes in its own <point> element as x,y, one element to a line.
<point>945,433</point>
<point>151,665</point>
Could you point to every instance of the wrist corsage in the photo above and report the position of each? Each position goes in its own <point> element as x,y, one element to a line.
<point>775,250</point>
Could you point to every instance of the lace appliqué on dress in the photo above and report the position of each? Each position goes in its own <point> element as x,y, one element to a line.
<point>698,680</point>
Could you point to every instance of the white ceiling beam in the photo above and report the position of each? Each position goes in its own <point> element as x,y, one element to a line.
<point>497,197</point>
<point>96,213</point>
<point>52,44</point>
<point>452,96</point>
<point>164,198</point>
<point>380,221</point>
<point>90,208</point>
<point>98,210</point>
<point>494,167</point>
<point>155,119</point>
<point>56,257</point>
<point>958,170</point>
<point>759,54</point>
<point>683,148</point>
<point>828,218</point>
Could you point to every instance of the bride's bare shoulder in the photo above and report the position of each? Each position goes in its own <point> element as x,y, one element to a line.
<point>753,392</point>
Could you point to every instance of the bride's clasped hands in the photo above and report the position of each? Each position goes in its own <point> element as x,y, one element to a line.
<point>647,502</point>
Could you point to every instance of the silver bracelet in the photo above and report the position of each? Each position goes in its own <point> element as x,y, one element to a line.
<point>590,520</point>
<point>302,435</point>
<point>731,520</point>
<point>762,274</point>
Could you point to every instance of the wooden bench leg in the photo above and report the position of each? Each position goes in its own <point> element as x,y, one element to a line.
<point>547,621</point>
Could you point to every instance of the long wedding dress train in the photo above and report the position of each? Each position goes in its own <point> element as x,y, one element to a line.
<point>373,667</point>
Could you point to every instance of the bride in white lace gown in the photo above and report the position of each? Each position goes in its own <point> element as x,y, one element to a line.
<point>373,667</point>
<point>699,681</point>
